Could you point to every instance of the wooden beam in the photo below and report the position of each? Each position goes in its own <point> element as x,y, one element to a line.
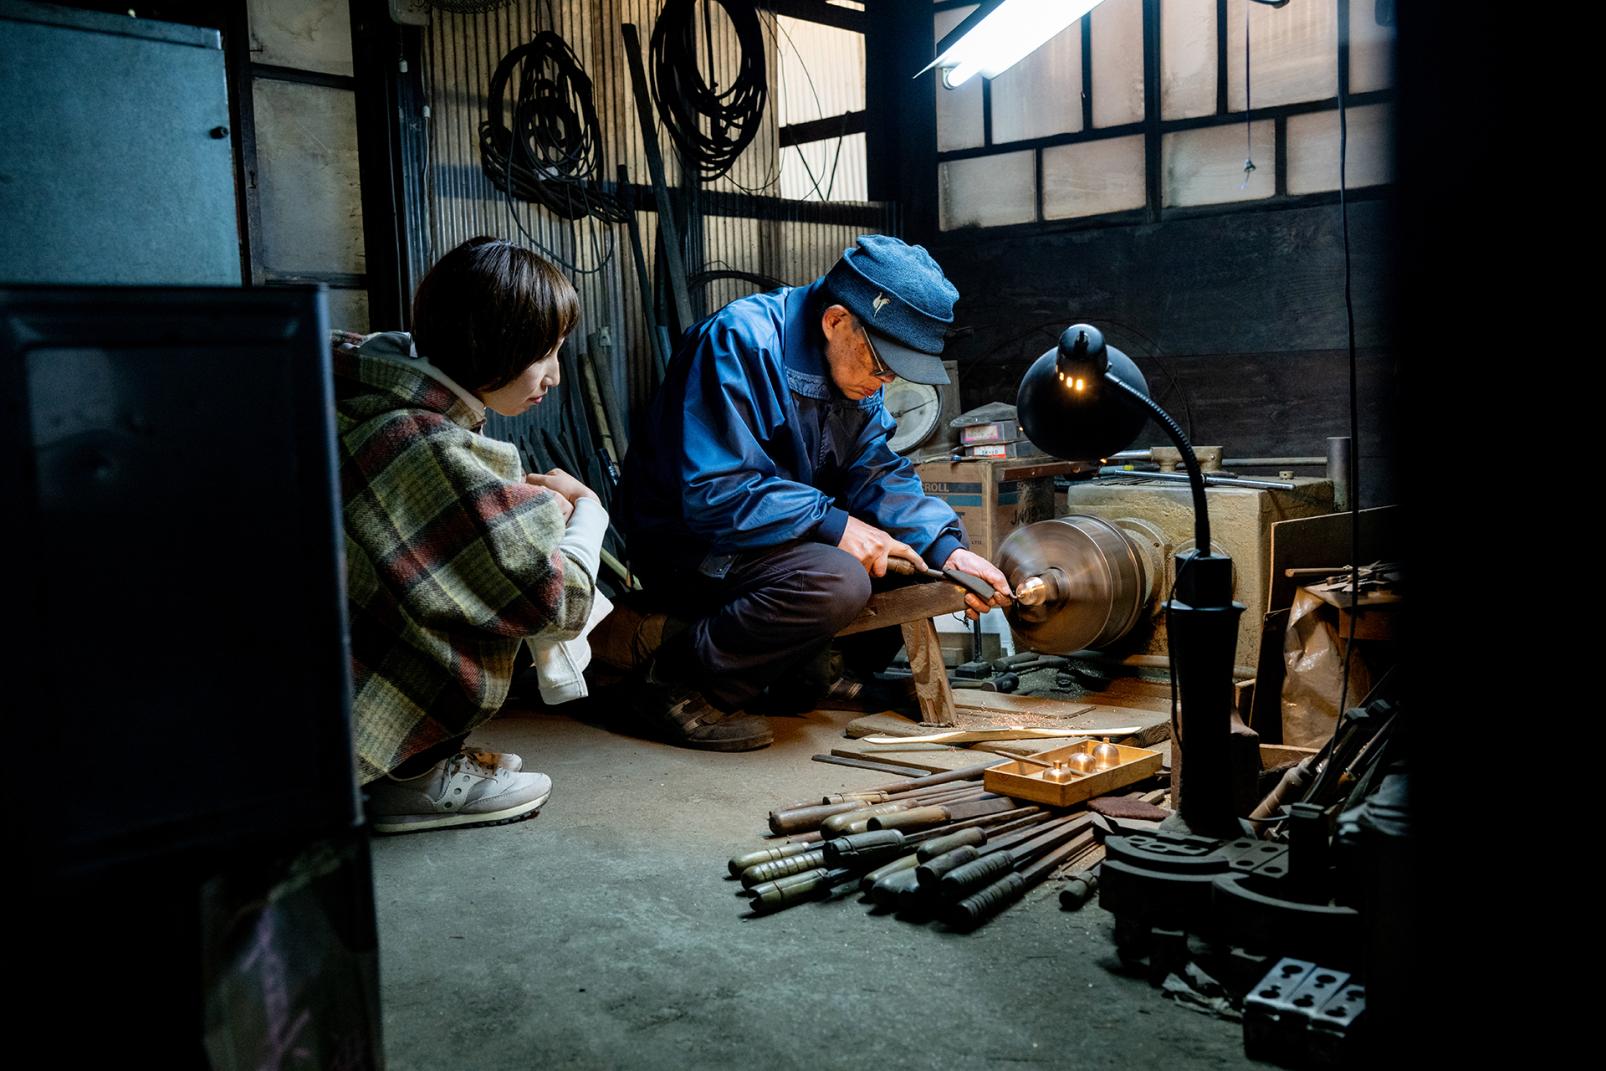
<point>833,126</point>
<point>915,602</point>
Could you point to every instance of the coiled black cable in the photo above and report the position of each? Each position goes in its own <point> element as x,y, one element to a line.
<point>685,98</point>
<point>550,150</point>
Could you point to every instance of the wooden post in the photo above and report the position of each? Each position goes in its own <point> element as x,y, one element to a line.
<point>929,674</point>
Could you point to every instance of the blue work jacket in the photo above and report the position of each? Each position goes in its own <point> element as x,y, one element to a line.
<point>749,444</point>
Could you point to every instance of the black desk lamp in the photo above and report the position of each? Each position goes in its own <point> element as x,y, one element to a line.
<point>1085,400</point>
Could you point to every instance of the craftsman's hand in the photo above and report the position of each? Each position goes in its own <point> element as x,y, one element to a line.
<point>871,546</point>
<point>566,488</point>
<point>974,564</point>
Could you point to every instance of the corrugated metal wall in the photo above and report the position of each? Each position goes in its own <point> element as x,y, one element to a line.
<point>790,241</point>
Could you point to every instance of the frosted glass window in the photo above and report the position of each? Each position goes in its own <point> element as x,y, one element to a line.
<point>831,170</point>
<point>1042,94</point>
<point>1313,150</point>
<point>1206,167</point>
<point>1117,40</point>
<point>987,191</point>
<point>959,121</point>
<point>313,35</point>
<point>307,177</point>
<point>1093,177</point>
<point>820,73</point>
<point>1293,52</point>
<point>1371,49</point>
<point>1187,58</point>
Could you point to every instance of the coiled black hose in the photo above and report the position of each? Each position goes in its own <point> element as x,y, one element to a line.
<point>686,101</point>
<point>550,151</point>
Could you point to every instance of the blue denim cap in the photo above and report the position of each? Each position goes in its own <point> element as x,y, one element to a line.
<point>902,298</point>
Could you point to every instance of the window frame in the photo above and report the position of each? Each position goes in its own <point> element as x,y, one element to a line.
<point>1153,127</point>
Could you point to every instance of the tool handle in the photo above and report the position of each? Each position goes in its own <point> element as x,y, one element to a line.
<point>798,819</point>
<point>837,824</point>
<point>931,871</point>
<point>975,909</point>
<point>863,849</point>
<point>783,892</point>
<point>780,868</point>
<point>899,566</point>
<point>888,889</point>
<point>974,584</point>
<point>913,818</point>
<point>1079,889</point>
<point>963,880</point>
<point>948,842</point>
<point>764,855</point>
<point>868,882</point>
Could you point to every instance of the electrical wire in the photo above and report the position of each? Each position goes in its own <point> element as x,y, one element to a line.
<point>1354,404</point>
<point>549,150</point>
<point>687,101</point>
<point>819,109</point>
<point>1249,109</point>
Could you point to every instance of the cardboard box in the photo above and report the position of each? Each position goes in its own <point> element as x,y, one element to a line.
<point>992,496</point>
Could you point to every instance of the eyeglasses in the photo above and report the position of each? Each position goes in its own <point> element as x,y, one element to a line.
<point>878,369</point>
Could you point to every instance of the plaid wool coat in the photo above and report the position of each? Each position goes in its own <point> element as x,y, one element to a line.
<point>451,559</point>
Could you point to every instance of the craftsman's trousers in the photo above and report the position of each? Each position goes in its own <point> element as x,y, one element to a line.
<point>772,612</point>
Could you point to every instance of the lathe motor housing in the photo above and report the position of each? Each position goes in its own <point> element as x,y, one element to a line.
<point>1111,594</point>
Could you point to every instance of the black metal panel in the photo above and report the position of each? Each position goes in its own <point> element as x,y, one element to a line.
<point>118,167</point>
<point>170,469</point>
<point>376,44</point>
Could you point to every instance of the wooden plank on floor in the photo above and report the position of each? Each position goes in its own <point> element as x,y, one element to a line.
<point>1155,726</point>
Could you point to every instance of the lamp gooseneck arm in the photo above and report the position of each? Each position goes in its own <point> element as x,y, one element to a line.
<point>1201,515</point>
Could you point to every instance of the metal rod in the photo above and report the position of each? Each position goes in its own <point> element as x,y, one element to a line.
<point>1267,462</point>
<point>1214,481</point>
<point>668,232</point>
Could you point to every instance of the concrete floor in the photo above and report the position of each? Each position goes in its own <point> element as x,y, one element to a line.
<point>605,933</point>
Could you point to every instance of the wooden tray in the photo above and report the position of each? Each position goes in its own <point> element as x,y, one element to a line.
<point>1024,780</point>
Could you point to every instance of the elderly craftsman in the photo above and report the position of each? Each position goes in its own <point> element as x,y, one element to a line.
<point>761,496</point>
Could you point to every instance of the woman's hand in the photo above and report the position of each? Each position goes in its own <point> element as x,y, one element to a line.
<point>567,489</point>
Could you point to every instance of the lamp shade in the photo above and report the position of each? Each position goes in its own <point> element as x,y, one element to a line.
<point>1080,425</point>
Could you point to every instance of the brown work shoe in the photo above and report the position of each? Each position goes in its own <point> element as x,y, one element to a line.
<point>682,715</point>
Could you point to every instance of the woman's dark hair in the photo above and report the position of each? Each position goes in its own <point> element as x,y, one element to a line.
<point>489,309</point>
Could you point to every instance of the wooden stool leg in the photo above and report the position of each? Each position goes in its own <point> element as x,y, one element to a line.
<point>930,676</point>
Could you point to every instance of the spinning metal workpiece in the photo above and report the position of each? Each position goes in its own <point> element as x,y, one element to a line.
<point>1080,582</point>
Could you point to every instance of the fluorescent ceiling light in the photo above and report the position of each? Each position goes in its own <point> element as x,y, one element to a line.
<point>1004,36</point>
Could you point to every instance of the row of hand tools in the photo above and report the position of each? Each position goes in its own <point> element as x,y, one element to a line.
<point>935,847</point>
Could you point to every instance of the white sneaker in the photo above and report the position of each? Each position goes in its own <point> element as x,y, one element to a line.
<point>487,757</point>
<point>458,791</point>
